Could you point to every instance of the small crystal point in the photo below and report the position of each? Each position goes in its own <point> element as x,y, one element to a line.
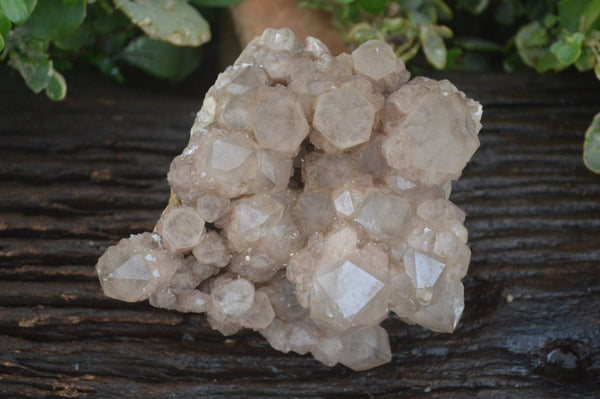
<point>181,229</point>
<point>233,298</point>
<point>311,200</point>
<point>134,269</point>
<point>365,348</point>
<point>278,121</point>
<point>346,295</point>
<point>376,60</point>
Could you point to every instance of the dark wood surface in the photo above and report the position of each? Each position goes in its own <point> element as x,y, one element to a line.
<point>79,175</point>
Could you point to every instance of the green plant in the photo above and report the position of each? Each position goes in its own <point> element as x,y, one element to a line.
<point>567,35</point>
<point>161,37</point>
<point>546,35</point>
<point>412,27</point>
<point>408,25</point>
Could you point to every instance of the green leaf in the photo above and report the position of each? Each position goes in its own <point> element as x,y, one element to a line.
<point>477,44</point>
<point>590,15</point>
<point>373,6</point>
<point>532,44</point>
<point>568,47</point>
<point>549,62</point>
<point>410,52</point>
<point>161,59</point>
<point>586,60</point>
<point>56,89</point>
<point>107,22</point>
<point>444,31</point>
<point>105,65</point>
<point>346,14</point>
<point>30,57</point>
<point>412,5</point>
<point>77,40</point>
<point>550,20</point>
<point>591,145</point>
<point>578,15</point>
<point>431,14</point>
<point>173,21</point>
<point>593,36</point>
<point>595,25</point>
<point>52,19</point>
<point>597,69</point>
<point>36,72</point>
<point>1,43</point>
<point>513,63</point>
<point>5,24</point>
<point>362,32</point>
<point>453,55</point>
<point>393,25</point>
<point>17,10</point>
<point>475,7</point>
<point>215,3</point>
<point>116,42</point>
<point>32,48</point>
<point>70,2</point>
<point>419,18</point>
<point>433,46</point>
<point>444,10</point>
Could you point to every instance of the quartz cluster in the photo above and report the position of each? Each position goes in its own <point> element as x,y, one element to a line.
<point>311,200</point>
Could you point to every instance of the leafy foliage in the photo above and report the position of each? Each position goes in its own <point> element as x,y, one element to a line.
<point>162,59</point>
<point>53,19</point>
<point>17,11</point>
<point>565,35</point>
<point>409,25</point>
<point>160,37</point>
<point>591,146</point>
<point>546,35</point>
<point>173,21</point>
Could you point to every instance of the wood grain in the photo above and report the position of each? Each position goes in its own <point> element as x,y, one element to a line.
<point>79,175</point>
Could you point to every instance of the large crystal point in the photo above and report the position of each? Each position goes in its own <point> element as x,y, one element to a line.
<point>311,200</point>
<point>278,121</point>
<point>345,116</point>
<point>347,295</point>
<point>136,268</point>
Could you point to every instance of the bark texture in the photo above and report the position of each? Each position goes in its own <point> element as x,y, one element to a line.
<point>79,175</point>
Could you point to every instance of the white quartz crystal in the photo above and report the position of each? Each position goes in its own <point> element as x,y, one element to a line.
<point>345,115</point>
<point>278,121</point>
<point>311,200</point>
<point>180,228</point>
<point>377,61</point>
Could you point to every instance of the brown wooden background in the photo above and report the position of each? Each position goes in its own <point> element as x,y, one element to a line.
<point>79,175</point>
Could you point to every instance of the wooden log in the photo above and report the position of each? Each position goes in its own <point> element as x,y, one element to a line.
<point>252,17</point>
<point>79,175</point>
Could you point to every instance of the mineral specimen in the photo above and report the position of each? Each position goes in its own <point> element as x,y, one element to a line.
<point>311,200</point>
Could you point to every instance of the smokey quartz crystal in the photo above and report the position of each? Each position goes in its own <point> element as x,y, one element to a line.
<point>312,200</point>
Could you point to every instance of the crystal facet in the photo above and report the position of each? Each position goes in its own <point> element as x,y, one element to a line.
<point>312,199</point>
